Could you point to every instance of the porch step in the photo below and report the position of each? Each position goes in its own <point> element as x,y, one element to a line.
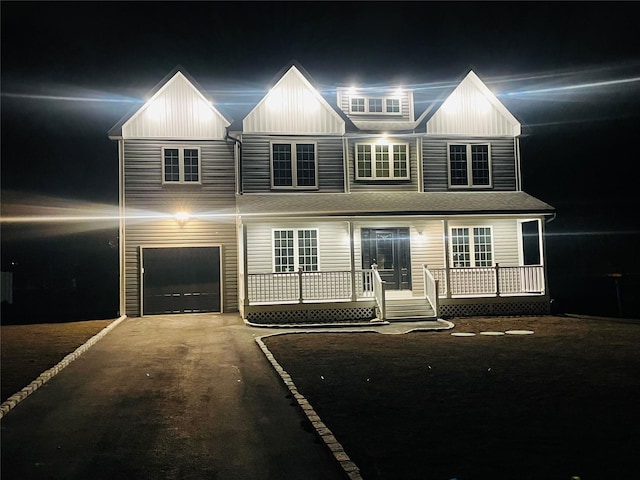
<point>407,309</point>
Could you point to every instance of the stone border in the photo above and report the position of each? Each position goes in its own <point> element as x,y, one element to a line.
<point>350,468</point>
<point>47,375</point>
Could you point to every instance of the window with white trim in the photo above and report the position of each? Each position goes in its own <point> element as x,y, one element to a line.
<point>375,105</point>
<point>294,249</point>
<point>471,247</point>
<point>469,164</point>
<point>294,165</point>
<point>181,165</point>
<point>389,161</point>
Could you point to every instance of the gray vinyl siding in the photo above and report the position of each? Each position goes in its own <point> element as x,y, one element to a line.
<point>145,195</point>
<point>256,158</point>
<point>434,157</point>
<point>333,242</point>
<point>410,185</point>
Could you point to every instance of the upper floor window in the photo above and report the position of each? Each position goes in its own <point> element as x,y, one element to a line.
<point>469,165</point>
<point>471,247</point>
<point>295,249</point>
<point>375,105</point>
<point>382,161</point>
<point>181,165</point>
<point>293,165</point>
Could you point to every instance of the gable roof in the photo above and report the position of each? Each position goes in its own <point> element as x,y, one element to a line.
<point>176,73</point>
<point>296,73</point>
<point>471,108</point>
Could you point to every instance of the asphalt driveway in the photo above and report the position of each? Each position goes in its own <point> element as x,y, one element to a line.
<point>165,397</point>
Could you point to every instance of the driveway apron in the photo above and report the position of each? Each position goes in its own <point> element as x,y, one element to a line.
<point>165,397</point>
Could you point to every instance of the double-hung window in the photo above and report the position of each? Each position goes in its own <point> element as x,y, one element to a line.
<point>294,165</point>
<point>471,247</point>
<point>374,105</point>
<point>294,249</point>
<point>469,165</point>
<point>181,165</point>
<point>389,161</point>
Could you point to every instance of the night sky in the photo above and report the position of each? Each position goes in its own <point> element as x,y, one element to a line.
<point>570,72</point>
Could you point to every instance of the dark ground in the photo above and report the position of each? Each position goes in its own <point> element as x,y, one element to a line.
<point>558,403</point>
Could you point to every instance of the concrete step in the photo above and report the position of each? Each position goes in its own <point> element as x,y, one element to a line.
<point>409,309</point>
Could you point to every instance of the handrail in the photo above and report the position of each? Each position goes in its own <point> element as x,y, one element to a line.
<point>379,291</point>
<point>431,290</point>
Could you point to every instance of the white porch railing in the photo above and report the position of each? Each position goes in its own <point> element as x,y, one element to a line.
<point>431,290</point>
<point>379,286</point>
<point>304,286</point>
<point>490,281</point>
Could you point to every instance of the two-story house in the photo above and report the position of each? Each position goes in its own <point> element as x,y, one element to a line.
<point>346,208</point>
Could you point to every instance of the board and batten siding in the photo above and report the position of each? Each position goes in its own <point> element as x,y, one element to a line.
<point>411,185</point>
<point>293,106</point>
<point>473,110</point>
<point>177,110</point>
<point>436,163</point>
<point>333,242</point>
<point>150,206</point>
<point>256,162</point>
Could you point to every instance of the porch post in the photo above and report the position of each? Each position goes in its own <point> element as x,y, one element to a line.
<point>300,284</point>
<point>497,279</point>
<point>447,276</point>
<point>245,263</point>
<point>354,295</point>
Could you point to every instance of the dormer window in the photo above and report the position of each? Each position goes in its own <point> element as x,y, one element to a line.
<point>393,105</point>
<point>374,105</point>
<point>357,104</point>
<point>469,165</point>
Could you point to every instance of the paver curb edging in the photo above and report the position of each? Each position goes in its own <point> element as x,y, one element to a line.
<point>348,466</point>
<point>47,375</point>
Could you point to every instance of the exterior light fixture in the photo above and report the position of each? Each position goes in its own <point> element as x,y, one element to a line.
<point>182,217</point>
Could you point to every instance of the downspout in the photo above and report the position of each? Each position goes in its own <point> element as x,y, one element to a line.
<point>237,150</point>
<point>516,141</point>
<point>121,231</point>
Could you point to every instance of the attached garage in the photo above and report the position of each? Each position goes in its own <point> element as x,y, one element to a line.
<point>181,280</point>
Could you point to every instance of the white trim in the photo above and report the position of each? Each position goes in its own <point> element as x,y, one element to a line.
<point>294,163</point>
<point>372,151</point>
<point>181,149</point>
<point>296,257</point>
<point>367,99</point>
<point>472,257</point>
<point>469,183</point>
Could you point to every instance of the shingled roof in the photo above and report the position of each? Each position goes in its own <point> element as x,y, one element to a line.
<point>390,203</point>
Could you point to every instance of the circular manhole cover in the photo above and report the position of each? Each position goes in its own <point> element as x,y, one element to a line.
<point>463,334</point>
<point>519,332</point>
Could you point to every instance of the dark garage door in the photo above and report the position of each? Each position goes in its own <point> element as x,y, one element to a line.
<point>181,280</point>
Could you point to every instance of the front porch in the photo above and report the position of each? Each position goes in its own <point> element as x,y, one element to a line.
<point>317,296</point>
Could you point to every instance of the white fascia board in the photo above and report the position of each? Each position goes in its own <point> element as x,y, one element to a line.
<point>494,101</point>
